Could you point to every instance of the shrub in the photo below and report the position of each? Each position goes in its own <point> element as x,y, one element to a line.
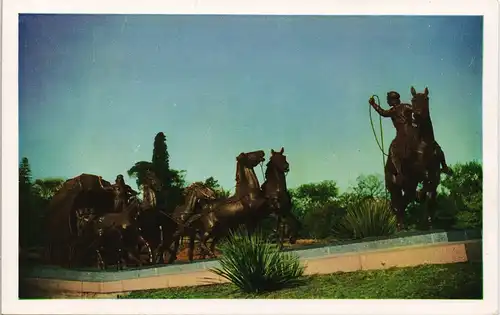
<point>254,265</point>
<point>319,220</point>
<point>368,218</point>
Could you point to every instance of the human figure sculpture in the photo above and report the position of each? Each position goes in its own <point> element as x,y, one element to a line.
<point>401,116</point>
<point>123,193</point>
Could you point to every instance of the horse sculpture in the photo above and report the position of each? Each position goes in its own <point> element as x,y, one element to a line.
<point>418,154</point>
<point>278,199</point>
<point>217,217</point>
<point>175,227</point>
<point>429,154</point>
<point>115,236</point>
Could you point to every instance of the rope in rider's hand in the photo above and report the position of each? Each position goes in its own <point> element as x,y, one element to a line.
<point>381,142</point>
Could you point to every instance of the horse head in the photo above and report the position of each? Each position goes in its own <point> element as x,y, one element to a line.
<point>420,106</point>
<point>245,175</point>
<point>278,161</point>
<point>251,159</point>
<point>200,191</point>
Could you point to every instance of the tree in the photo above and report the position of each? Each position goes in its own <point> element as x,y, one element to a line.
<point>47,188</point>
<point>316,206</point>
<point>173,181</point>
<point>26,205</point>
<point>321,192</point>
<point>367,187</point>
<point>24,175</point>
<point>212,183</point>
<point>465,188</point>
<point>161,159</point>
<point>139,171</point>
<point>371,186</point>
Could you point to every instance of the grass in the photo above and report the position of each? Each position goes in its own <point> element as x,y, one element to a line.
<point>449,281</point>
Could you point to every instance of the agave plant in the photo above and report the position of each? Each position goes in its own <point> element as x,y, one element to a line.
<point>368,218</point>
<point>254,265</point>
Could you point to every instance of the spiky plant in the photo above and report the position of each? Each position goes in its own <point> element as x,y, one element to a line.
<point>254,265</point>
<point>368,218</point>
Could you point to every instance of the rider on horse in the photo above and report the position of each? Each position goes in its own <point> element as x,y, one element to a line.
<point>123,193</point>
<point>401,115</point>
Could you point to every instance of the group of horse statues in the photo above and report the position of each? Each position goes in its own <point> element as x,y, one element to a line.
<point>414,155</point>
<point>92,222</point>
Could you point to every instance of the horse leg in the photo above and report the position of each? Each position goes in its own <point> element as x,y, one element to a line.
<point>215,239</point>
<point>431,208</point>
<point>119,265</point>
<point>192,237</point>
<point>279,231</point>
<point>100,261</point>
<point>397,206</point>
<point>203,243</point>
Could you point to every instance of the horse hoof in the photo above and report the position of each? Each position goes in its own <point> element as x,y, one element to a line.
<point>399,227</point>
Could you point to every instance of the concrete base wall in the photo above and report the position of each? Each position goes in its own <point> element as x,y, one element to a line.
<point>441,253</point>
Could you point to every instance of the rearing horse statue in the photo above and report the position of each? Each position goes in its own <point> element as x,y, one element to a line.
<point>245,207</point>
<point>278,199</point>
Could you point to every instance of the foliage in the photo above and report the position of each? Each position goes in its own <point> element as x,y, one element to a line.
<point>368,218</point>
<point>24,175</point>
<point>367,187</point>
<point>27,214</point>
<point>322,192</point>
<point>139,171</point>
<point>212,183</point>
<point>445,215</point>
<point>370,186</point>
<point>318,221</point>
<point>449,281</point>
<point>173,181</point>
<point>315,205</point>
<point>254,265</point>
<point>47,188</point>
<point>465,188</point>
<point>161,158</point>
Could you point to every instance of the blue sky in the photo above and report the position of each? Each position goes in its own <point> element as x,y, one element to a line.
<point>95,89</point>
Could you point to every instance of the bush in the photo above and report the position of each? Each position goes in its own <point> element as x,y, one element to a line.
<point>254,265</point>
<point>465,188</point>
<point>319,220</point>
<point>444,216</point>
<point>368,218</point>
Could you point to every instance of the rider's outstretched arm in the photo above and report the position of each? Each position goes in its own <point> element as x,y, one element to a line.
<point>382,112</point>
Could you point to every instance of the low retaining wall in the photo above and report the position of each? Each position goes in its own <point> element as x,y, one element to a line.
<point>402,251</point>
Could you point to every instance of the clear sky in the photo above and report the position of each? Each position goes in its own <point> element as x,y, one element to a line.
<point>95,89</point>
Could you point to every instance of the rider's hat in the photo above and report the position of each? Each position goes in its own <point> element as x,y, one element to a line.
<point>393,95</point>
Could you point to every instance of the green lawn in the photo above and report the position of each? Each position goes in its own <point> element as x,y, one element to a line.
<point>450,281</point>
